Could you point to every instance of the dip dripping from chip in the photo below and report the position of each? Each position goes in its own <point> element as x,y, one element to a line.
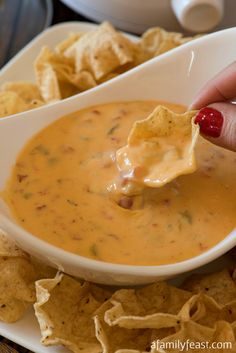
<point>160,148</point>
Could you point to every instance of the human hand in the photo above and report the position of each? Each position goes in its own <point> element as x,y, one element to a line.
<point>217,115</point>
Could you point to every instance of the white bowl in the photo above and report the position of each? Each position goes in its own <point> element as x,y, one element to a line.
<point>175,77</point>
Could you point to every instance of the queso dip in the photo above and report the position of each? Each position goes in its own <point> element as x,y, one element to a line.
<point>59,191</point>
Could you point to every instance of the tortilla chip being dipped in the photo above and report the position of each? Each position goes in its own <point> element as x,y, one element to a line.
<point>159,148</point>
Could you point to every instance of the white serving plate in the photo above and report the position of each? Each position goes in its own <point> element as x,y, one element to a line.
<point>26,331</point>
<point>20,67</point>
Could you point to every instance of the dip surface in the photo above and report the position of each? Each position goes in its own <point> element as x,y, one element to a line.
<point>58,191</point>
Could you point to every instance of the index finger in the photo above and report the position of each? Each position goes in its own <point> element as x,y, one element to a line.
<point>219,89</point>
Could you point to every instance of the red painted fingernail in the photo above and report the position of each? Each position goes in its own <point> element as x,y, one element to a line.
<point>210,121</point>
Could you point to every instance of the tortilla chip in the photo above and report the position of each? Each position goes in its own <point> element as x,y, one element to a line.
<point>27,91</point>
<point>206,311</point>
<point>47,65</point>
<point>156,41</point>
<point>116,339</point>
<point>110,76</point>
<point>160,148</point>
<point>17,293</point>
<point>191,332</point>
<point>11,103</point>
<point>36,103</point>
<point>83,80</point>
<point>159,334</point>
<point>47,80</point>
<point>8,247</point>
<point>155,306</point>
<point>56,76</point>
<point>219,286</point>
<point>213,314</point>
<point>193,309</point>
<point>101,51</point>
<point>18,272</point>
<point>68,42</point>
<point>223,332</point>
<point>64,310</point>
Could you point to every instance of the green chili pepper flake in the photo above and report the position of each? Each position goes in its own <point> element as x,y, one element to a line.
<point>93,250</point>
<point>112,129</point>
<point>41,149</point>
<point>84,138</point>
<point>71,202</point>
<point>53,160</point>
<point>187,216</point>
<point>27,195</point>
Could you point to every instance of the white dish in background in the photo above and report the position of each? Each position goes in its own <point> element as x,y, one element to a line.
<point>174,76</point>
<point>132,15</point>
<point>138,15</point>
<point>21,66</point>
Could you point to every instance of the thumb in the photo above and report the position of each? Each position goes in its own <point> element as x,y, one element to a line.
<point>218,124</point>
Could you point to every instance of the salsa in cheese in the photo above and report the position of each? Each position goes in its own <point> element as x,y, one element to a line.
<point>60,191</point>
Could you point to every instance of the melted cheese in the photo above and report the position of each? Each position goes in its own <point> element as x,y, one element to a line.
<point>59,191</point>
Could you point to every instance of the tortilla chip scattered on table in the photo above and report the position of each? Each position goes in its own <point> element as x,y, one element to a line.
<point>9,248</point>
<point>114,339</point>
<point>18,274</point>
<point>219,286</point>
<point>87,318</point>
<point>198,336</point>
<point>159,148</point>
<point>154,306</point>
<point>64,310</point>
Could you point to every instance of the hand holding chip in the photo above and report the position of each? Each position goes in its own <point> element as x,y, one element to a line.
<point>217,117</point>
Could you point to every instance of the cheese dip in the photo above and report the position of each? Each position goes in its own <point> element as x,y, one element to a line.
<point>59,191</point>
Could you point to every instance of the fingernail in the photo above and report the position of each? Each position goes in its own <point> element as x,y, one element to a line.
<point>210,121</point>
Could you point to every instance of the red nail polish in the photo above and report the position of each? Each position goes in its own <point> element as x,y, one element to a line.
<point>210,121</point>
